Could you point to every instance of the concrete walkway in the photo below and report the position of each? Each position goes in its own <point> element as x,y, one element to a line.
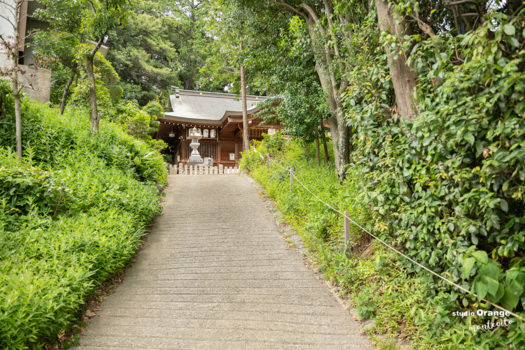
<point>215,274</point>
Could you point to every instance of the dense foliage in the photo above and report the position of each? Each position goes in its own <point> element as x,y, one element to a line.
<point>434,101</point>
<point>162,45</point>
<point>449,185</point>
<point>382,286</point>
<point>72,212</point>
<point>425,101</point>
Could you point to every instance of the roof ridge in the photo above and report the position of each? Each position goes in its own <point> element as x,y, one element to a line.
<point>218,94</point>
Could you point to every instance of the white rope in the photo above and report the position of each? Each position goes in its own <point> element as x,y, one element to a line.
<point>394,249</point>
<point>404,255</point>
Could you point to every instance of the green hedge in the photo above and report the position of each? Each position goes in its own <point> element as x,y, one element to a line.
<point>72,212</point>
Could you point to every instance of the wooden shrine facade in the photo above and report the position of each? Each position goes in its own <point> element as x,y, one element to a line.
<point>219,118</point>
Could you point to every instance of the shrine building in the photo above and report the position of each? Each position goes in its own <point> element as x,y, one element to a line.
<point>218,117</point>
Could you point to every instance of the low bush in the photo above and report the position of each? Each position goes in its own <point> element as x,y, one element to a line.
<point>402,300</point>
<point>72,212</point>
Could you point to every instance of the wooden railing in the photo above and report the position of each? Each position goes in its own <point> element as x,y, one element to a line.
<point>184,169</point>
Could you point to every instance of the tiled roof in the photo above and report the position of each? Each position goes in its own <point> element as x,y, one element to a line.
<point>207,106</point>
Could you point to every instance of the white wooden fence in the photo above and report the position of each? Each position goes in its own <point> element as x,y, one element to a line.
<point>202,170</point>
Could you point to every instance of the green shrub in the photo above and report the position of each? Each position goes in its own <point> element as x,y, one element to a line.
<point>49,138</point>
<point>72,213</point>
<point>28,189</point>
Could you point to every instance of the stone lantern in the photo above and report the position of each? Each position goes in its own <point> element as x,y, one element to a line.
<point>195,158</point>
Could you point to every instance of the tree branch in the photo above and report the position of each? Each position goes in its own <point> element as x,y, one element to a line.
<point>425,27</point>
<point>459,2</point>
<point>99,44</point>
<point>310,11</point>
<point>290,8</point>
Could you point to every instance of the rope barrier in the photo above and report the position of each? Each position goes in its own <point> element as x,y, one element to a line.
<point>406,256</point>
<point>293,176</point>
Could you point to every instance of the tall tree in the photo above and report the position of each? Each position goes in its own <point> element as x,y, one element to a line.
<point>287,68</point>
<point>56,48</point>
<point>97,19</point>
<point>232,29</point>
<point>164,44</point>
<point>57,51</point>
<point>193,46</point>
<point>145,51</point>
<point>279,60</point>
<point>326,42</point>
<point>12,43</point>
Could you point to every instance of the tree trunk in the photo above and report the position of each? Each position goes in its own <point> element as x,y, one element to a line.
<point>343,141</point>
<point>245,126</point>
<point>325,146</point>
<point>324,47</point>
<point>18,118</point>
<point>332,121</point>
<point>3,107</point>
<point>13,50</point>
<point>317,151</point>
<point>66,91</point>
<point>403,76</point>
<point>92,95</point>
<point>90,58</point>
<point>325,149</point>
<point>336,121</point>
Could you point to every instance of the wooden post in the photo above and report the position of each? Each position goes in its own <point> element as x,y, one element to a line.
<point>291,179</point>
<point>236,151</point>
<point>268,161</point>
<point>347,229</point>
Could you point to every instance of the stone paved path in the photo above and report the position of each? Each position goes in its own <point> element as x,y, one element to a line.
<point>215,274</point>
